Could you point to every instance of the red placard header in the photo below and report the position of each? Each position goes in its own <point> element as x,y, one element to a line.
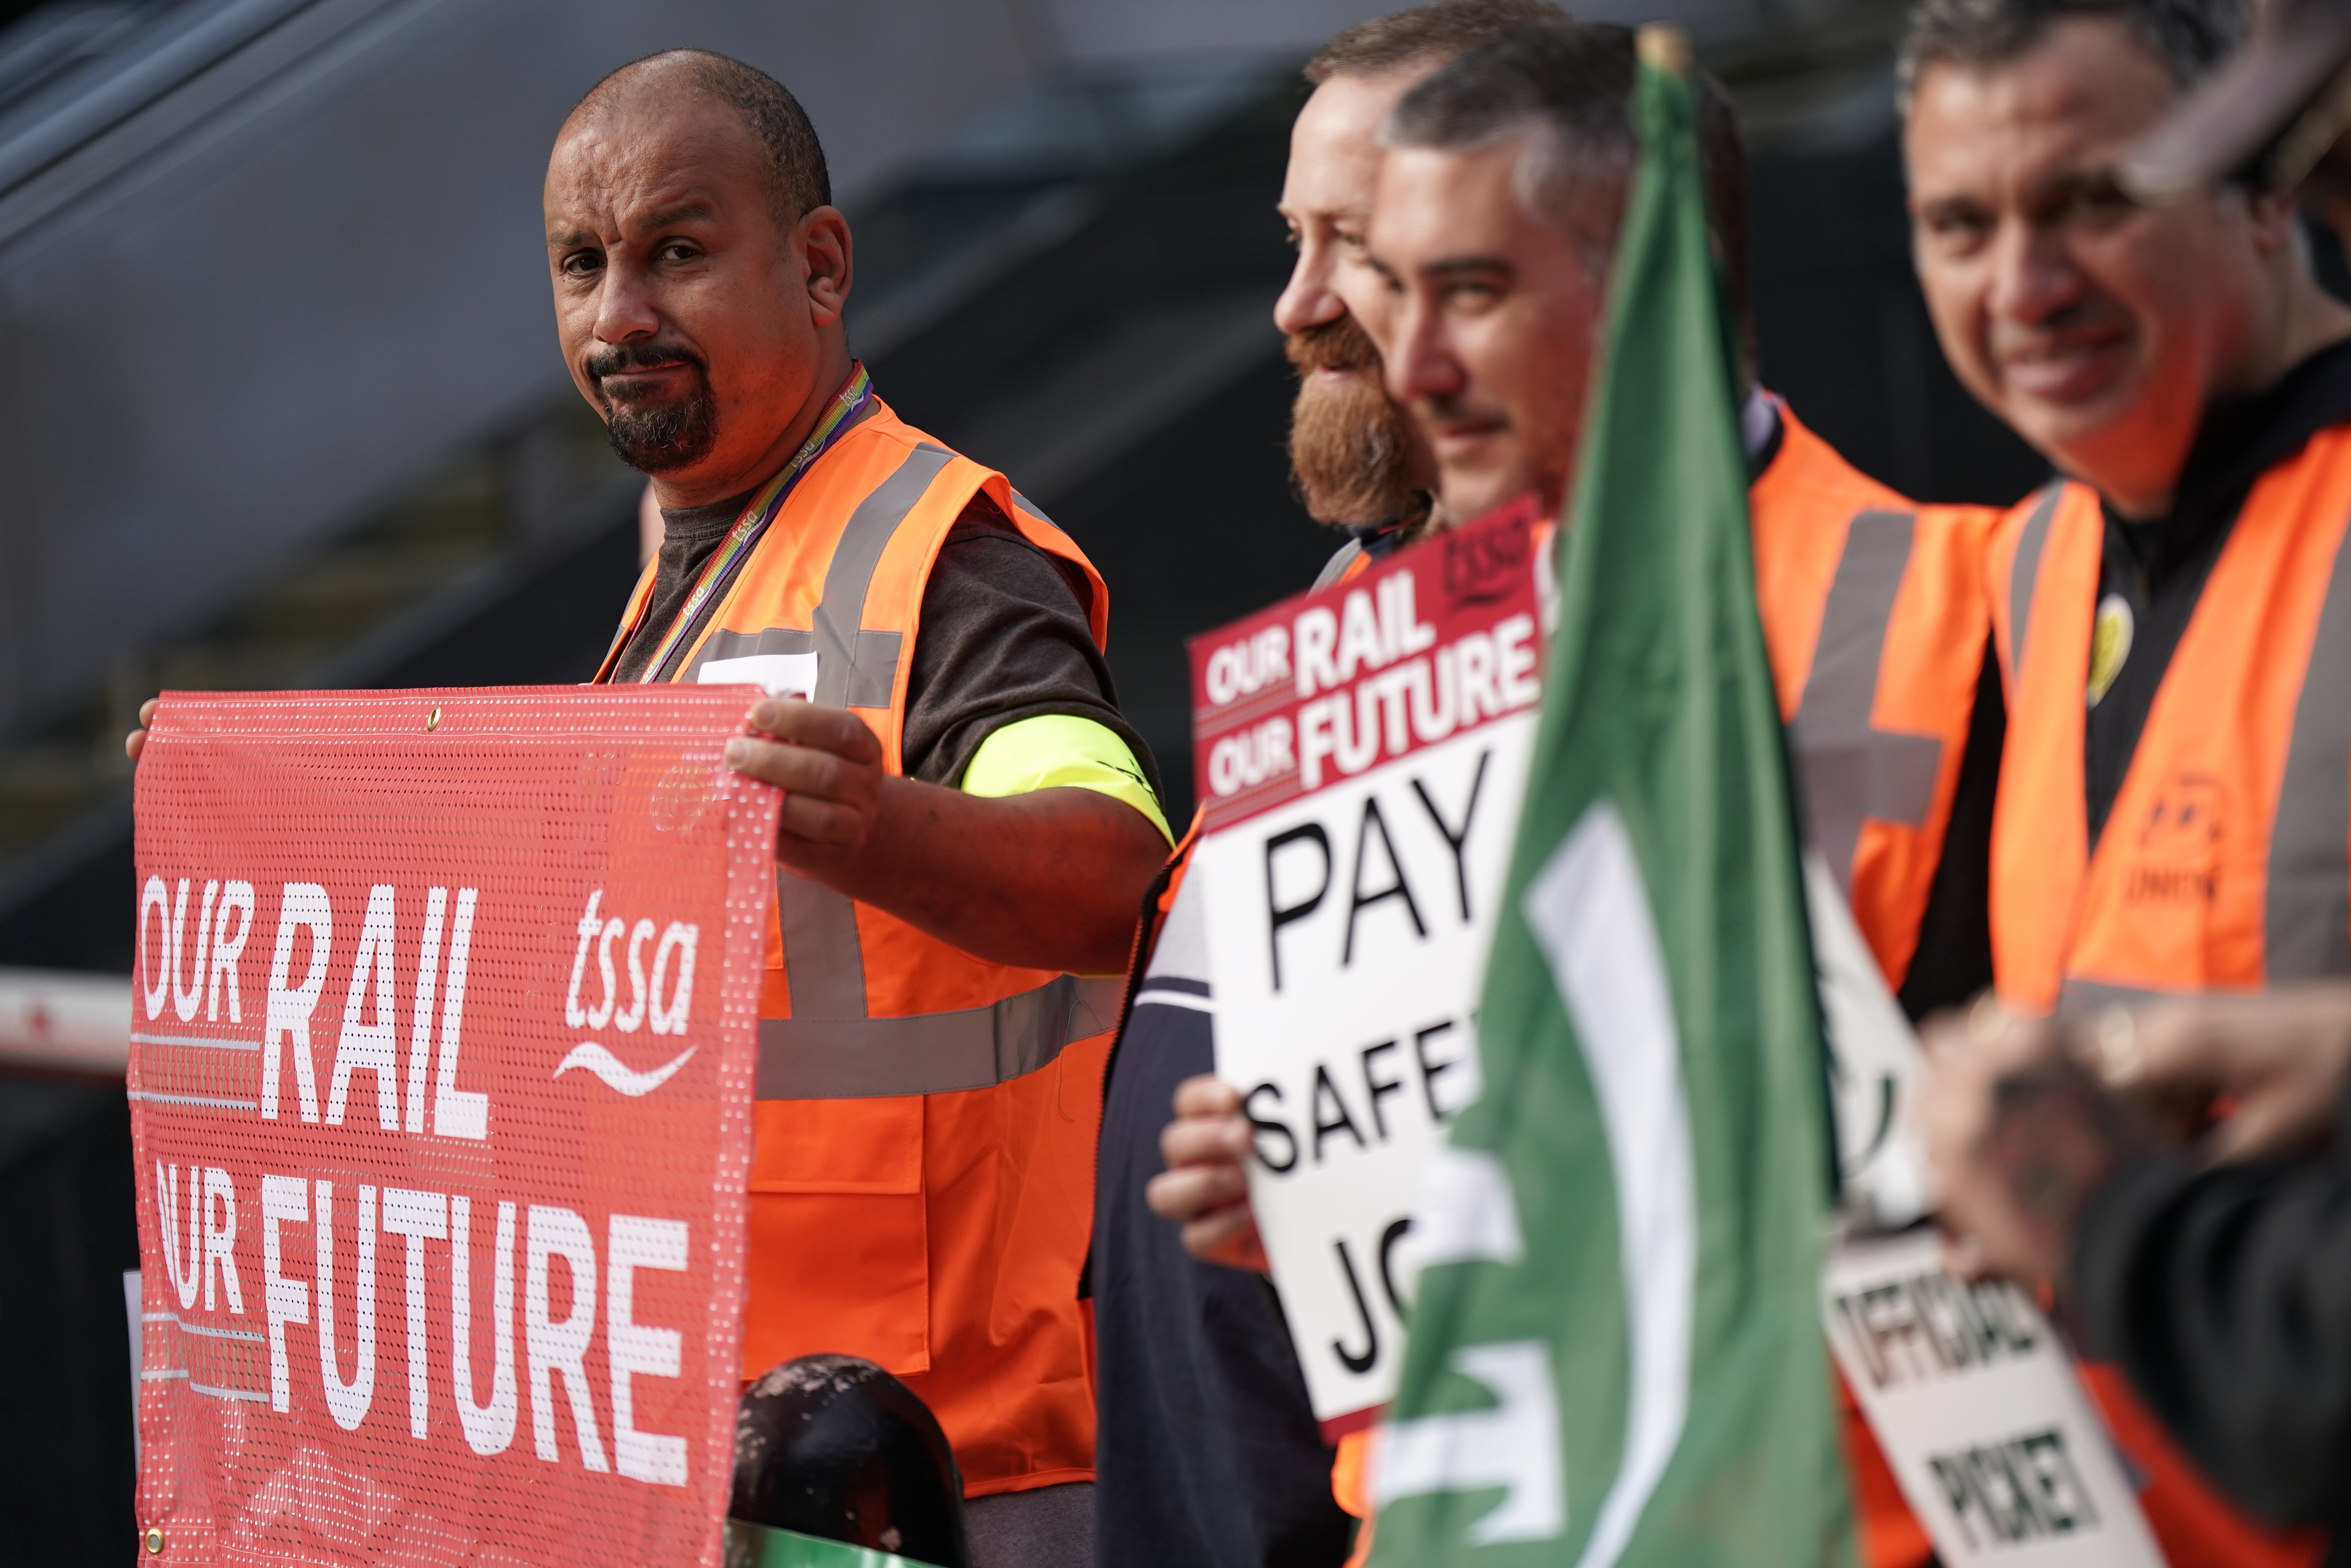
<point>1434,641</point>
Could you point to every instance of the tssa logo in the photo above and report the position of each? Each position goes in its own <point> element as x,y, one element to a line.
<point>672,974</point>
<point>646,1009</point>
<point>1482,565</point>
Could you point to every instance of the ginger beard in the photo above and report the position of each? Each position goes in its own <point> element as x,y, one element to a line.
<point>1358,457</point>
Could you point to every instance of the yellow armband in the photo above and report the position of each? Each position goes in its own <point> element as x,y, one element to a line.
<point>1055,751</point>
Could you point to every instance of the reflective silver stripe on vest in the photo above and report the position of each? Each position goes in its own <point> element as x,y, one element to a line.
<point>1336,567</point>
<point>2307,913</point>
<point>1031,508</point>
<point>724,644</point>
<point>823,965</point>
<point>2025,571</point>
<point>870,675</point>
<point>829,1048</point>
<point>1851,770</point>
<point>856,668</point>
<point>932,1052</point>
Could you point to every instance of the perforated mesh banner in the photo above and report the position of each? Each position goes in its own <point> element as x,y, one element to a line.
<point>443,1043</point>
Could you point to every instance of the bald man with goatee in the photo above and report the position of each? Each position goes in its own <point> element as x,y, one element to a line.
<point>967,825</point>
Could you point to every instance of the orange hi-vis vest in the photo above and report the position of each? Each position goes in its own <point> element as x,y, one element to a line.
<point>1875,619</point>
<point>2226,859</point>
<point>922,1182</point>
<point>2225,863</point>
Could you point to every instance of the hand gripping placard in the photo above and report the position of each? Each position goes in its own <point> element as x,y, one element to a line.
<point>443,1041</point>
<point>1362,751</point>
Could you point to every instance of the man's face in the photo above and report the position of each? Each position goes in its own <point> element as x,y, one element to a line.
<point>2097,329</point>
<point>683,302</point>
<point>1357,456</point>
<point>1491,322</point>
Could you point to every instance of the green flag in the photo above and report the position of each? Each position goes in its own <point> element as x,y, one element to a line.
<point>1616,1353</point>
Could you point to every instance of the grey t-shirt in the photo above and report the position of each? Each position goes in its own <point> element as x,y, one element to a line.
<point>688,535</point>
<point>1004,636</point>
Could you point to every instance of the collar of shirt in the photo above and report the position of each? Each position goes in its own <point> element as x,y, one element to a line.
<point>2238,442</point>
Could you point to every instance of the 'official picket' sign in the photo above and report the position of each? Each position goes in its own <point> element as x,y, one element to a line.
<point>1362,753</point>
<point>1975,1403</point>
<point>442,1049</point>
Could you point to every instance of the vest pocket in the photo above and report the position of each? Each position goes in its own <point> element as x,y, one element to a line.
<point>839,1273</point>
<point>840,1243</point>
<point>870,1147</point>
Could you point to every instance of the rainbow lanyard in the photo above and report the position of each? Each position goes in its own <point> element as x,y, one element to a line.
<point>856,396</point>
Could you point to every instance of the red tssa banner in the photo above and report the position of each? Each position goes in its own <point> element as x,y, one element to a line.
<point>1436,640</point>
<point>444,1034</point>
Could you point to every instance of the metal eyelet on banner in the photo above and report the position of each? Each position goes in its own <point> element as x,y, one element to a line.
<point>154,1539</point>
<point>433,721</point>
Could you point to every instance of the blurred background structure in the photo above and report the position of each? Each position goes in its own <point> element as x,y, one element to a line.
<point>288,412</point>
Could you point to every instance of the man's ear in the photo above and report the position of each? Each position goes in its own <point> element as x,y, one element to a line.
<point>823,239</point>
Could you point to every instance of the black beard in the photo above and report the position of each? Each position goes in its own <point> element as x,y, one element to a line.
<point>665,436</point>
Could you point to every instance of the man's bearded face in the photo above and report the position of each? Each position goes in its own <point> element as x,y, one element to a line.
<point>669,425</point>
<point>1358,457</point>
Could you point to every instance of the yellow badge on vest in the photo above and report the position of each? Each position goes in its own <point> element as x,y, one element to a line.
<point>2110,645</point>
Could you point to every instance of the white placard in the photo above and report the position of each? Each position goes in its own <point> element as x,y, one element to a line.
<point>1975,1403</point>
<point>1363,750</point>
<point>1355,1054</point>
<point>1874,1067</point>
